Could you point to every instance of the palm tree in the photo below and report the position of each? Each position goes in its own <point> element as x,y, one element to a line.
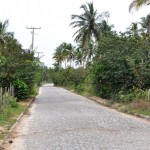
<point>64,50</point>
<point>79,57</point>
<point>144,24</point>
<point>133,30</point>
<point>88,24</point>
<point>3,31</point>
<point>138,3</point>
<point>88,53</point>
<point>58,56</point>
<point>70,50</point>
<point>105,28</point>
<point>67,52</point>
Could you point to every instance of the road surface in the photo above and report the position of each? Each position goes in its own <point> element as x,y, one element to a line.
<point>61,120</point>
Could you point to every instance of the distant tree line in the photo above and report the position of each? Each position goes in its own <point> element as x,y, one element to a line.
<point>104,62</point>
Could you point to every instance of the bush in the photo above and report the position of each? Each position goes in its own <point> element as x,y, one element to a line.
<point>21,89</point>
<point>11,101</point>
<point>140,94</point>
<point>129,95</point>
<point>58,78</point>
<point>80,88</point>
<point>123,97</point>
<point>119,65</point>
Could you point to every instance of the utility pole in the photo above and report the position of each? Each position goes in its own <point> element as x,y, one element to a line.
<point>39,54</point>
<point>33,28</point>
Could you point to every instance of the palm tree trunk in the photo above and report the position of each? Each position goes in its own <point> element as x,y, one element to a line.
<point>148,25</point>
<point>65,63</point>
<point>60,65</point>
<point>70,62</point>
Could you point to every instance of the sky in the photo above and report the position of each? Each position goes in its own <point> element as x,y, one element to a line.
<point>54,17</point>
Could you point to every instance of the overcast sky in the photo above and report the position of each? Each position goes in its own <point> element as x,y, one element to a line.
<point>54,17</point>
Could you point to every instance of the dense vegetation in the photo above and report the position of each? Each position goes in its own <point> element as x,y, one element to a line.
<point>18,66</point>
<point>105,63</point>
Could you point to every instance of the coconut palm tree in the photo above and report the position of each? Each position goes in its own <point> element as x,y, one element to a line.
<point>105,28</point>
<point>3,31</point>
<point>87,24</point>
<point>133,30</point>
<point>138,4</point>
<point>144,24</point>
<point>58,56</point>
<point>64,51</point>
<point>67,52</point>
<point>79,57</point>
<point>70,50</point>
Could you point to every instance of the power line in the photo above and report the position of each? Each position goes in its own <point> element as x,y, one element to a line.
<point>33,28</point>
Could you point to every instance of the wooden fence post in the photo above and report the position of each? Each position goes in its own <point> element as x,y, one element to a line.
<point>4,93</point>
<point>5,98</point>
<point>1,99</point>
<point>148,94</point>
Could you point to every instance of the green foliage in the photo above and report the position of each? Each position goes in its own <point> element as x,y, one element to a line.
<point>119,70</point>
<point>140,94</point>
<point>19,66</point>
<point>58,79</point>
<point>12,102</point>
<point>69,76</point>
<point>119,65</point>
<point>123,97</point>
<point>21,89</point>
<point>77,79</point>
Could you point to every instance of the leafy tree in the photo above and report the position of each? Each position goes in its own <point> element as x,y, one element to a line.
<point>120,64</point>
<point>18,66</point>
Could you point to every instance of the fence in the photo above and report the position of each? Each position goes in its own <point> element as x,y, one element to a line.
<point>149,95</point>
<point>4,93</point>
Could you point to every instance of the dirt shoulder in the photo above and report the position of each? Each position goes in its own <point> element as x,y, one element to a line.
<point>139,108</point>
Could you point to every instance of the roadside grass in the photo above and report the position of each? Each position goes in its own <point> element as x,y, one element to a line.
<point>137,107</point>
<point>141,107</point>
<point>9,117</point>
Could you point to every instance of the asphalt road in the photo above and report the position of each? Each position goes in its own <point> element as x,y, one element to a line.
<point>61,120</point>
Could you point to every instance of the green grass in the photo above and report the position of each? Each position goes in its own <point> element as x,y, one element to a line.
<point>9,117</point>
<point>138,107</point>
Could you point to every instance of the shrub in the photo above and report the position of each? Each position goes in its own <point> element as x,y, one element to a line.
<point>10,101</point>
<point>21,89</point>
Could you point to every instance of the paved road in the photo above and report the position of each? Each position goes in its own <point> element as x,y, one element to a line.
<point>61,120</point>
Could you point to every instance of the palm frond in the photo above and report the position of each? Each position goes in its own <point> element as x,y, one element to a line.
<point>137,4</point>
<point>77,17</point>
